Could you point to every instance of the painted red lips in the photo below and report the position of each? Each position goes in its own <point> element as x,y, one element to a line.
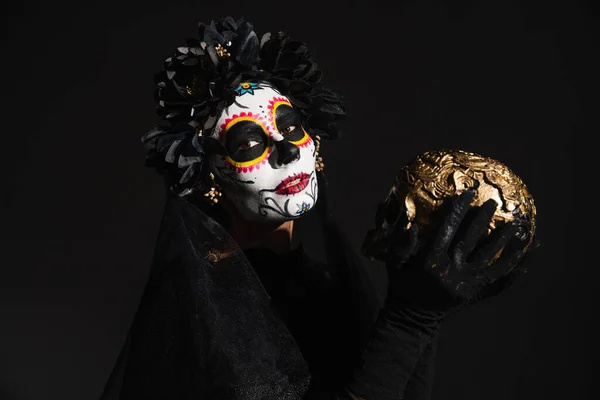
<point>293,184</point>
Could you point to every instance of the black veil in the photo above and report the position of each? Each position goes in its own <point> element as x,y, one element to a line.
<point>205,329</point>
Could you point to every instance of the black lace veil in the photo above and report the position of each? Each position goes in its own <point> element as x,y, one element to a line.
<point>205,328</point>
<point>204,325</point>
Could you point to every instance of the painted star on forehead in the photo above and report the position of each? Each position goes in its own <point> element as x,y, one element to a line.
<point>247,87</point>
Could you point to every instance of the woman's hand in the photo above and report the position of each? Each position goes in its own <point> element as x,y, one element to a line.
<point>460,263</point>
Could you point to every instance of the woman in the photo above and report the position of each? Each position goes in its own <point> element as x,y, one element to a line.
<point>234,308</point>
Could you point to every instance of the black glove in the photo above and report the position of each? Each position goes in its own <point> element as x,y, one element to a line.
<point>459,265</point>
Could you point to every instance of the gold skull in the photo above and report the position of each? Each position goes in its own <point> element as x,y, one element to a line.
<point>423,184</point>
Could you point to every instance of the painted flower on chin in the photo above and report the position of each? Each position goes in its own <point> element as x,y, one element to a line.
<point>246,87</point>
<point>303,208</point>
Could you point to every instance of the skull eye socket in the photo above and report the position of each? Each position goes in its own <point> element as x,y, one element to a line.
<point>247,142</point>
<point>287,121</point>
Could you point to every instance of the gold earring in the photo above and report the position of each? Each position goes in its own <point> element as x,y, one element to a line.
<point>319,165</point>
<point>214,193</point>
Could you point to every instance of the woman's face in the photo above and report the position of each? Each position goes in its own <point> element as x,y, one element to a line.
<point>269,173</point>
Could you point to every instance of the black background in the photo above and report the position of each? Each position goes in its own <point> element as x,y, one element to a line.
<point>80,213</point>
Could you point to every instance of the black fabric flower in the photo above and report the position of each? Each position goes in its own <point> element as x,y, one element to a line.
<point>201,79</point>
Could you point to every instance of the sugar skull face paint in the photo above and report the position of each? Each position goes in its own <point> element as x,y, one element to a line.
<point>269,172</point>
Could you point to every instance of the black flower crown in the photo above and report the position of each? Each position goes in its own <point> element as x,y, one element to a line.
<point>200,80</point>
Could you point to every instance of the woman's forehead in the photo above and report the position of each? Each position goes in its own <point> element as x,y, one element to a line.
<point>253,96</point>
<point>254,102</point>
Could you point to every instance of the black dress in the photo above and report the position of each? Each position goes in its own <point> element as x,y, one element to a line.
<point>321,312</point>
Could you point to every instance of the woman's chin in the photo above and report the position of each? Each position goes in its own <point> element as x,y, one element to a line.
<point>279,208</point>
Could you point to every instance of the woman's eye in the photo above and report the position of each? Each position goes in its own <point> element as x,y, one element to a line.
<point>289,129</point>
<point>249,145</point>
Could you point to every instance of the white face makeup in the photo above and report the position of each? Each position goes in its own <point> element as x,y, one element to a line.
<point>269,172</point>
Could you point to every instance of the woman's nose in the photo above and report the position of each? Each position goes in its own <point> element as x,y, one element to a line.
<point>286,152</point>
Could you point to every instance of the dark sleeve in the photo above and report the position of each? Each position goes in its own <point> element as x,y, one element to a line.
<point>420,384</point>
<point>397,345</point>
<point>399,338</point>
<point>418,387</point>
<point>395,341</point>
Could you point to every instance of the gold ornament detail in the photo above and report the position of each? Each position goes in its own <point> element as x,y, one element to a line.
<point>222,51</point>
<point>319,165</point>
<point>214,255</point>
<point>214,193</point>
<point>430,178</point>
<point>192,88</point>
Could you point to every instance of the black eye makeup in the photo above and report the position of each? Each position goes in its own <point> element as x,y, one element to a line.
<point>246,142</point>
<point>287,121</point>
